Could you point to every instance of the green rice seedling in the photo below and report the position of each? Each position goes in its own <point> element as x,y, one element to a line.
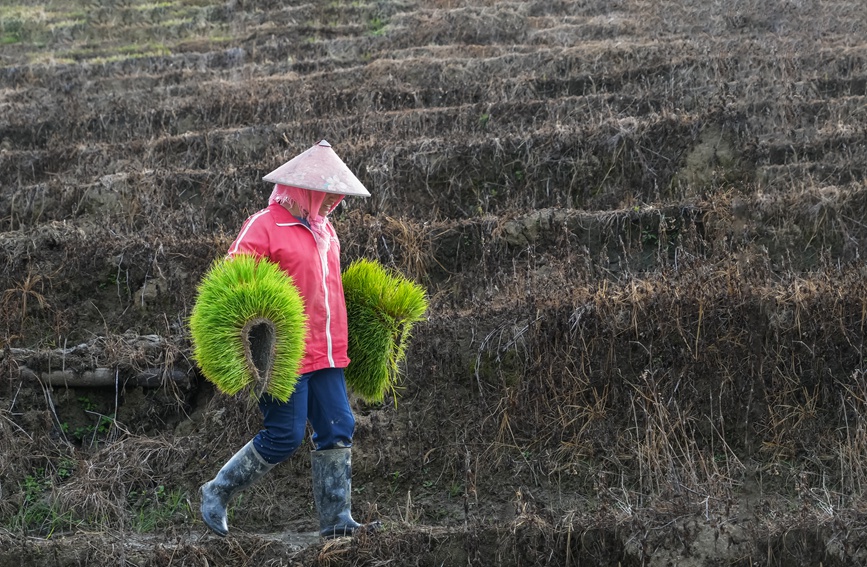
<point>382,306</point>
<point>248,327</point>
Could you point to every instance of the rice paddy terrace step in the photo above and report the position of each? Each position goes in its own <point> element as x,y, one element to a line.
<point>596,149</point>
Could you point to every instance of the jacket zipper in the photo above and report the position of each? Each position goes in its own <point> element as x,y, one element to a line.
<point>323,258</point>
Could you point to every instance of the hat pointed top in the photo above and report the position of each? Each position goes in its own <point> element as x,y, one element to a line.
<point>318,169</point>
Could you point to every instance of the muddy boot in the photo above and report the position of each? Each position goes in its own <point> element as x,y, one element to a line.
<point>332,491</point>
<point>242,470</point>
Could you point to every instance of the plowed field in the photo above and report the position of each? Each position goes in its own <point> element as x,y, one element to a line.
<point>641,225</point>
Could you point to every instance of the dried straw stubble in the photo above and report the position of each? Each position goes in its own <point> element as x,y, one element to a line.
<point>246,300</point>
<point>382,306</point>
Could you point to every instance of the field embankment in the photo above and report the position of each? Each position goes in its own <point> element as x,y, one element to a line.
<point>641,225</point>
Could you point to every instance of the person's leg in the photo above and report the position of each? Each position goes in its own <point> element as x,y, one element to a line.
<point>242,470</point>
<point>328,409</point>
<point>333,427</point>
<point>284,428</point>
<point>284,423</point>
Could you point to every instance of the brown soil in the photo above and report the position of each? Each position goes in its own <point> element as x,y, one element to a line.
<point>641,225</point>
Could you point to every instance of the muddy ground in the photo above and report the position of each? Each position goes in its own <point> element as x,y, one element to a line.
<point>641,225</point>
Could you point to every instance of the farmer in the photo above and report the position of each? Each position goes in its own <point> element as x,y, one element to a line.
<point>295,233</point>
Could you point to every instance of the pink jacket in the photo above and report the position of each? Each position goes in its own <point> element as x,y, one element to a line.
<point>276,234</point>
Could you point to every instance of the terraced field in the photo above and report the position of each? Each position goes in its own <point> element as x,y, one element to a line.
<point>641,224</point>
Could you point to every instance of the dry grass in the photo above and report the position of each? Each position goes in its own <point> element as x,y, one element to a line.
<point>640,224</point>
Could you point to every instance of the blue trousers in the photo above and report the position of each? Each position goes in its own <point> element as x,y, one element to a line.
<point>319,397</point>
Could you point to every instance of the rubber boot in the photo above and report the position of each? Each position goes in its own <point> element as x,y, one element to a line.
<point>243,469</point>
<point>332,491</point>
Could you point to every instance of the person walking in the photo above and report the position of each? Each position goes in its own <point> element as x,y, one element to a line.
<point>294,232</point>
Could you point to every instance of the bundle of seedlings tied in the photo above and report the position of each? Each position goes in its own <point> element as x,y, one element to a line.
<point>382,306</point>
<point>248,327</point>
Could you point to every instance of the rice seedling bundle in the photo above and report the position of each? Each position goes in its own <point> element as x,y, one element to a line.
<point>248,327</point>
<point>382,306</point>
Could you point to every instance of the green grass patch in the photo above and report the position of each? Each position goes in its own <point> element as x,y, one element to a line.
<point>21,12</point>
<point>128,56</point>
<point>134,49</point>
<point>25,24</point>
<point>376,26</point>
<point>158,508</point>
<point>50,58</point>
<point>154,6</point>
<point>38,513</point>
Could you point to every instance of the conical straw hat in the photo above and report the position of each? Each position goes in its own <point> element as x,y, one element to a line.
<point>318,169</point>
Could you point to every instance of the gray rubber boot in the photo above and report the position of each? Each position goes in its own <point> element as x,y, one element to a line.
<point>332,491</point>
<point>243,469</point>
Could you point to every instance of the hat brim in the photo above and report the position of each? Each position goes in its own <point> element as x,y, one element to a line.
<point>318,169</point>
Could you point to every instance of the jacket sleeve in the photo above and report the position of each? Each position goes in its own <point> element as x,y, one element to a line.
<point>254,237</point>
